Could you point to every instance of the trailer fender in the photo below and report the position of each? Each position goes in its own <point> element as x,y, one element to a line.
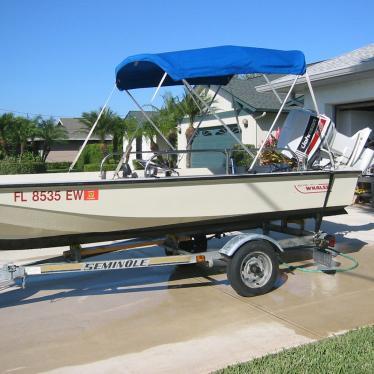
<point>230,248</point>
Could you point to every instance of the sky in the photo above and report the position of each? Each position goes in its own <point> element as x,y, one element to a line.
<point>57,57</point>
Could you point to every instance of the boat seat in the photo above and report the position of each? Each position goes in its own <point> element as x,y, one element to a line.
<point>127,172</point>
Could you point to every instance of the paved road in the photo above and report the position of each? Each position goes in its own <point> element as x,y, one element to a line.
<point>185,320</point>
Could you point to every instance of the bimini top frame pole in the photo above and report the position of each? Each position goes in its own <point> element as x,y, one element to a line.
<point>128,148</point>
<point>206,66</point>
<point>203,115</point>
<point>274,122</point>
<point>91,130</point>
<point>212,111</point>
<point>150,120</point>
<point>311,91</point>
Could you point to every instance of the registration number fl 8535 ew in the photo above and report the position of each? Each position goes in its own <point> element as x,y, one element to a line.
<point>67,195</point>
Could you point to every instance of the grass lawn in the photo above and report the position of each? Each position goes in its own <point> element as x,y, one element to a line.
<point>352,352</point>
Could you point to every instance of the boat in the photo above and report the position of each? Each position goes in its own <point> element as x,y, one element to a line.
<point>44,210</point>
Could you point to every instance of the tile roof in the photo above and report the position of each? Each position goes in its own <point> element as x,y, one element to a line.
<point>138,115</point>
<point>244,89</point>
<point>77,130</point>
<point>360,59</point>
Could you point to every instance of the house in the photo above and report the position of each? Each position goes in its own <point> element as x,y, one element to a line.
<point>248,114</point>
<point>77,132</point>
<point>343,87</point>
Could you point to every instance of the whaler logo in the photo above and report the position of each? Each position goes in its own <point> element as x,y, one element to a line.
<point>312,188</point>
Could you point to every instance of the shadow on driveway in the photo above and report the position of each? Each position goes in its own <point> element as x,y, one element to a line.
<point>112,282</point>
<point>156,279</point>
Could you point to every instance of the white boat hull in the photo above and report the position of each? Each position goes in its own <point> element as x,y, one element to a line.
<point>58,213</point>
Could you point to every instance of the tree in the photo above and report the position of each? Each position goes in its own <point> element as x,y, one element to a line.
<point>166,119</point>
<point>16,133</point>
<point>117,131</point>
<point>124,129</point>
<point>170,115</point>
<point>130,131</point>
<point>6,121</point>
<point>50,133</point>
<point>24,130</point>
<point>190,109</point>
<point>106,125</point>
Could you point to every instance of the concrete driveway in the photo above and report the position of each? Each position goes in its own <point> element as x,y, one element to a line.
<point>185,320</point>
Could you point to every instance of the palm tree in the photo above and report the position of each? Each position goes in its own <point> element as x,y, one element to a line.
<point>149,132</point>
<point>6,121</point>
<point>50,133</point>
<point>106,125</point>
<point>171,115</point>
<point>166,119</point>
<point>20,132</point>
<point>117,131</point>
<point>190,109</point>
<point>125,129</point>
<point>130,131</point>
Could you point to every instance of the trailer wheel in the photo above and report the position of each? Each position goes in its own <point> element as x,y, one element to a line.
<point>253,270</point>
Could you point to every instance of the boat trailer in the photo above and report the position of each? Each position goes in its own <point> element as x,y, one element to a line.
<point>253,260</point>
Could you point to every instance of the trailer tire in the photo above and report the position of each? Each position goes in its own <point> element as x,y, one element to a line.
<point>254,269</point>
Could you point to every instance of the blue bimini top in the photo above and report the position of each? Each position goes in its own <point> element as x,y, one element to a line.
<point>215,65</point>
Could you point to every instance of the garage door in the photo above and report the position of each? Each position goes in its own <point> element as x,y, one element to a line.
<point>213,138</point>
<point>353,117</point>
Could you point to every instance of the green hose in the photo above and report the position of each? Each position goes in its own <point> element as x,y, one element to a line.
<point>337,270</point>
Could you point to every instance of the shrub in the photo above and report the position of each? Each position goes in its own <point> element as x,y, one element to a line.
<point>27,164</point>
<point>92,154</point>
<point>60,170</point>
<point>24,167</point>
<point>137,165</point>
<point>241,157</point>
<point>96,167</point>
<point>57,165</point>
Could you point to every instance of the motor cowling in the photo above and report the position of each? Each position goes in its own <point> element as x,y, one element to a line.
<point>315,140</point>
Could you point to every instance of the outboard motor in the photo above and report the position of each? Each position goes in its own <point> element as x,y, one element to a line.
<point>315,140</point>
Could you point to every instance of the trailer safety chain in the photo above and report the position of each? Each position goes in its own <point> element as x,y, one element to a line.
<point>354,264</point>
